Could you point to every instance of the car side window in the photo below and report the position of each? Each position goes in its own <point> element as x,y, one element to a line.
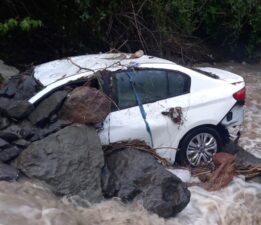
<point>122,91</point>
<point>179,83</point>
<point>150,85</point>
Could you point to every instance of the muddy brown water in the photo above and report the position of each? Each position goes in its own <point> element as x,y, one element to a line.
<point>25,202</point>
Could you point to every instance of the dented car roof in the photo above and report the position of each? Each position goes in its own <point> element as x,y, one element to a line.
<point>56,70</point>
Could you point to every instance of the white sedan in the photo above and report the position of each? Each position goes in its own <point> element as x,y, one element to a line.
<point>168,106</point>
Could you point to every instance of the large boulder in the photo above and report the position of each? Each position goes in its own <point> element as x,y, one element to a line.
<point>92,106</point>
<point>130,173</point>
<point>69,161</point>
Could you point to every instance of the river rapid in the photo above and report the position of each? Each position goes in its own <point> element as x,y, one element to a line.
<point>26,202</point>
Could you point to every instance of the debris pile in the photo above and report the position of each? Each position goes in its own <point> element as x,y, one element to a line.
<point>54,141</point>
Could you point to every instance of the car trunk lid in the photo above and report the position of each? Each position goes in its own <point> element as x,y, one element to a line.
<point>215,73</point>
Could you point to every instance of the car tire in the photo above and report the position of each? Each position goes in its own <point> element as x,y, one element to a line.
<point>198,146</point>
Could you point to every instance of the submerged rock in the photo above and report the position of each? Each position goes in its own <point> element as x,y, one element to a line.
<point>47,108</point>
<point>8,172</point>
<point>70,161</point>
<point>130,174</point>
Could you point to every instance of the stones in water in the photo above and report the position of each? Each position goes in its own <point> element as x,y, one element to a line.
<point>130,173</point>
<point>69,161</point>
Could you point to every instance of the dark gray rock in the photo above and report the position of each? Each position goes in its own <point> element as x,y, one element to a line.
<point>7,172</point>
<point>59,124</point>
<point>11,133</point>
<point>3,144</point>
<point>9,90</point>
<point>134,174</point>
<point>4,122</point>
<point>69,161</point>
<point>35,134</point>
<point>7,71</point>
<point>27,129</point>
<point>21,143</point>
<point>10,153</point>
<point>243,158</point>
<point>16,109</point>
<point>21,87</point>
<point>27,88</point>
<point>47,108</point>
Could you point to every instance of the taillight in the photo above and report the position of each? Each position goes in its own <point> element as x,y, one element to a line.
<point>240,95</point>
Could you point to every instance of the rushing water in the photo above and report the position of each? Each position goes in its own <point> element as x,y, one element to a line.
<point>24,202</point>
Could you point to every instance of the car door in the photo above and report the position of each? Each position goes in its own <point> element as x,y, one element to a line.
<point>147,100</point>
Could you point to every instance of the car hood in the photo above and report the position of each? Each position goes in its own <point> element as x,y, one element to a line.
<point>227,76</point>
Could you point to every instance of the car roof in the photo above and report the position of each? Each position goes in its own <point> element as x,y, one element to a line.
<point>56,70</point>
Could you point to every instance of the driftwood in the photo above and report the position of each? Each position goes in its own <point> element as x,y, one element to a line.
<point>134,144</point>
<point>222,175</point>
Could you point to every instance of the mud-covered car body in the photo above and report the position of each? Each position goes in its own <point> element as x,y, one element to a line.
<point>157,101</point>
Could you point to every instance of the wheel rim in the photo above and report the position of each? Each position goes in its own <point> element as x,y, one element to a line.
<point>201,149</point>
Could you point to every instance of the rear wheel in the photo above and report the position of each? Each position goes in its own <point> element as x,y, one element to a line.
<point>199,146</point>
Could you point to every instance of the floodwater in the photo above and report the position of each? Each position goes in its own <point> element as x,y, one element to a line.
<point>251,133</point>
<point>24,202</point>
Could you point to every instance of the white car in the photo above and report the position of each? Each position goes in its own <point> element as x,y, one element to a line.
<point>168,106</point>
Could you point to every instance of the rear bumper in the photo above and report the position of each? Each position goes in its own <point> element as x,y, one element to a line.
<point>234,117</point>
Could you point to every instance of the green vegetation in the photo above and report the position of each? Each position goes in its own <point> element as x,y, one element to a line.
<point>176,28</point>
<point>25,24</point>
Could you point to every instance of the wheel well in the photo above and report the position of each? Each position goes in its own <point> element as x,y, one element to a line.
<point>222,130</point>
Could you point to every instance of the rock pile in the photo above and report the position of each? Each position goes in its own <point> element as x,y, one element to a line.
<point>51,142</point>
